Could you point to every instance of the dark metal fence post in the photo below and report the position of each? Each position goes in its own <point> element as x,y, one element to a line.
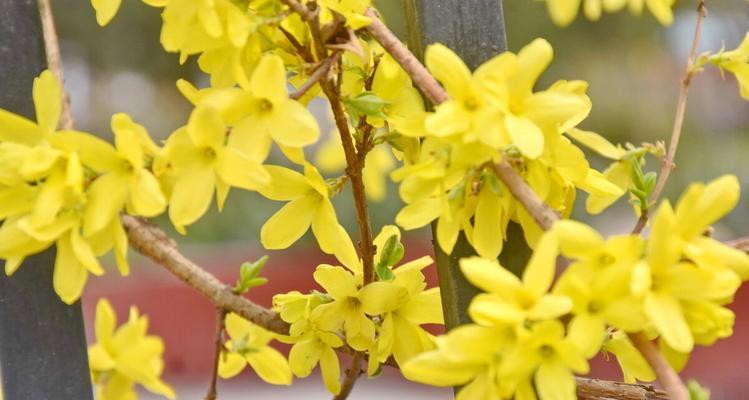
<point>42,340</point>
<point>475,30</point>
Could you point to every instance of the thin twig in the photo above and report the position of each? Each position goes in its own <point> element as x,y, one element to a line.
<point>415,69</point>
<point>354,161</point>
<point>667,163</point>
<point>320,73</point>
<point>541,213</point>
<point>300,48</point>
<point>300,9</point>
<point>595,389</point>
<point>667,377</point>
<point>54,60</point>
<point>151,241</point>
<point>740,244</point>
<point>219,346</point>
<point>352,374</point>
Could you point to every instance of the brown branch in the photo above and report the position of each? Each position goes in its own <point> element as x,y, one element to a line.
<point>319,74</point>
<point>54,60</point>
<point>300,48</point>
<point>152,242</point>
<point>415,69</point>
<point>219,346</point>
<point>595,389</point>
<point>667,377</point>
<point>354,161</point>
<point>300,9</point>
<point>352,374</point>
<point>739,244</point>
<point>667,163</point>
<point>541,213</point>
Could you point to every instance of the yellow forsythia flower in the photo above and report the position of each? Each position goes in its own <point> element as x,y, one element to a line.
<point>737,62</point>
<point>308,206</point>
<point>249,346</point>
<point>125,356</point>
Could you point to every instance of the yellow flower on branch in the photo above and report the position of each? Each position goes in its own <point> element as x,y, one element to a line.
<point>125,356</point>
<point>205,164</point>
<point>249,345</point>
<point>308,206</point>
<point>352,305</point>
<point>737,62</point>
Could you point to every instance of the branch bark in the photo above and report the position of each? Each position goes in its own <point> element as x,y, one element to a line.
<point>667,163</point>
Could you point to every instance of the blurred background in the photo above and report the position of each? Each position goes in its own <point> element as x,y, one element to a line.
<point>633,65</point>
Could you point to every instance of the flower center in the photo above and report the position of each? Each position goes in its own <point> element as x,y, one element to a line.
<point>546,351</point>
<point>353,303</point>
<point>265,105</point>
<point>471,104</point>
<point>209,153</point>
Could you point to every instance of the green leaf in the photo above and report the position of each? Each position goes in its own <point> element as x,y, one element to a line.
<point>637,177</point>
<point>366,103</point>
<point>248,275</point>
<point>697,391</point>
<point>649,183</point>
<point>392,253</point>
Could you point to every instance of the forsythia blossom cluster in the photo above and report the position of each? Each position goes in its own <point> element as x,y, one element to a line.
<point>494,115</point>
<point>124,356</point>
<point>530,335</point>
<point>382,319</point>
<point>674,285</point>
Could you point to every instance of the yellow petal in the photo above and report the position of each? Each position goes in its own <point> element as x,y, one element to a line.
<point>434,368</point>
<point>69,276</point>
<point>332,237</point>
<point>95,153</point>
<point>563,12</point>
<point>587,333</point>
<point>532,61</point>
<point>550,306</point>
<point>146,197</point>
<point>336,281</point>
<point>269,79</point>
<point>555,381</point>
<point>666,316</point>
<point>303,357</point>
<point>191,196</point>
<point>448,68</point>
<point>18,129</point>
<point>289,223</point>
<point>419,214</point>
<point>381,297</point>
<point>47,101</point>
<point>331,370</point>
<point>526,135</point>
<point>488,235</point>
<point>597,143</point>
<point>230,365</point>
<point>270,365</point>
<point>577,239</point>
<point>105,10</point>
<point>488,275</point>
<point>106,321</point>
<point>293,125</point>
<point>286,184</point>
<point>240,171</point>
<point>539,273</point>
<point>106,198</point>
<point>84,254</point>
<point>205,127</point>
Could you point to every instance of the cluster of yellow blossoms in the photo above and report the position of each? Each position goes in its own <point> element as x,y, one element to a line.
<point>674,286</point>
<point>67,188</point>
<point>494,115</point>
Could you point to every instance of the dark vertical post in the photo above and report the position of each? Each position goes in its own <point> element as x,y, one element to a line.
<point>42,340</point>
<point>475,30</point>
